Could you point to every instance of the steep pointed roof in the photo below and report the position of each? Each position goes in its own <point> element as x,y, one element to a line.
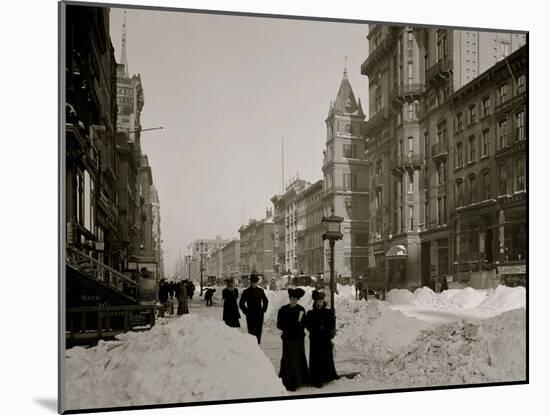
<point>360,108</point>
<point>345,100</point>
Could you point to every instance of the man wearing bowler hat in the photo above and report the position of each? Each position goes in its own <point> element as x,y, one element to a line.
<point>253,304</point>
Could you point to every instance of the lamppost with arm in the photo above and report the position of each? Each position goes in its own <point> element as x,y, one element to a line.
<point>202,243</point>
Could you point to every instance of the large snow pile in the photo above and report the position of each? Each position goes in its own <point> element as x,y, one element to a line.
<point>383,329</point>
<point>491,350</point>
<point>191,359</point>
<point>458,303</point>
<point>375,328</point>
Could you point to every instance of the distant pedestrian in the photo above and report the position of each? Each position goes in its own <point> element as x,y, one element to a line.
<point>443,285</point>
<point>231,313</point>
<point>253,304</point>
<point>293,371</point>
<point>321,324</point>
<point>208,294</point>
<point>191,289</point>
<point>163,297</point>
<point>181,296</point>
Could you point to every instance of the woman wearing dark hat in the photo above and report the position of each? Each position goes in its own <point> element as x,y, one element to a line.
<point>293,370</point>
<point>231,313</point>
<point>321,324</point>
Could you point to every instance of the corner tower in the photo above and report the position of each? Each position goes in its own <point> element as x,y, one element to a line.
<point>346,181</point>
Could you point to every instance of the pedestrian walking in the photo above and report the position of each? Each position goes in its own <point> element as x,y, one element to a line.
<point>181,296</point>
<point>293,371</point>
<point>253,304</point>
<point>171,295</point>
<point>231,313</point>
<point>208,294</point>
<point>163,297</point>
<point>321,324</point>
<point>443,285</point>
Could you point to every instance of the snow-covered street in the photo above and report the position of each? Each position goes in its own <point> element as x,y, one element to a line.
<point>410,340</point>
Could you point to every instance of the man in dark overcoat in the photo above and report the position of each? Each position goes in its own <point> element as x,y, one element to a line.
<point>253,304</point>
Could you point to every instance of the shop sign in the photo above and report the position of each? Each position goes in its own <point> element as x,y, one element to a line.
<point>511,269</point>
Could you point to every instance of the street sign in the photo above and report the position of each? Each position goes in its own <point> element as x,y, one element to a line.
<point>511,269</point>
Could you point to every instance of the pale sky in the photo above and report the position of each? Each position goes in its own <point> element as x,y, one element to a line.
<point>227,89</point>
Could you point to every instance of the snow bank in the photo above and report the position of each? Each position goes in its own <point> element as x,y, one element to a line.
<point>190,359</point>
<point>374,328</point>
<point>491,350</point>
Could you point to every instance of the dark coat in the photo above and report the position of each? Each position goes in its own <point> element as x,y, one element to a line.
<point>253,304</point>
<point>183,307</point>
<point>293,371</point>
<point>231,313</point>
<point>321,324</point>
<point>163,293</point>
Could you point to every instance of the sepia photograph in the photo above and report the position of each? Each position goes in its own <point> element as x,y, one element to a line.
<point>263,207</point>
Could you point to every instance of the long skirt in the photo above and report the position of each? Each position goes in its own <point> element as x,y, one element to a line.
<point>293,370</point>
<point>183,308</point>
<point>232,322</point>
<point>321,362</point>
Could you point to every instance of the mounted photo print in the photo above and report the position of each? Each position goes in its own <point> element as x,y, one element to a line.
<point>263,207</point>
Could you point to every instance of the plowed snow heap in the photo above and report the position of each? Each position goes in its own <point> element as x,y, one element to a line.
<point>191,359</point>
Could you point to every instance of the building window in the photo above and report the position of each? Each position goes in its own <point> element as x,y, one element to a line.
<point>502,180</point>
<point>502,134</point>
<point>459,156</point>
<point>410,109</point>
<point>472,114</point>
<point>411,182</point>
<point>486,185</point>
<point>520,126</point>
<point>350,181</point>
<point>522,80</point>
<point>442,133</point>
<point>441,173</point>
<point>379,167</point>
<point>411,218</point>
<point>459,193</point>
<point>378,198</point>
<point>472,188</point>
<point>520,174</point>
<point>426,144</point>
<point>350,151</point>
<point>485,143</point>
<point>503,93</point>
<point>459,125</point>
<point>472,149</point>
<point>486,106</point>
<point>410,142</point>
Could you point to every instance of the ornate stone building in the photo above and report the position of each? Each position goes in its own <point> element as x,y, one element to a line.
<point>346,181</point>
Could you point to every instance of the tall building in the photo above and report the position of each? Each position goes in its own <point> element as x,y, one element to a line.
<point>310,246</point>
<point>286,227</point>
<point>346,182</point>
<point>231,253</point>
<point>157,235</point>
<point>256,247</point>
<point>415,76</point>
<point>91,189</point>
<point>130,102</point>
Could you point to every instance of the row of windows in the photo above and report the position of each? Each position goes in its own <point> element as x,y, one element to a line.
<point>504,185</point>
<point>503,140</point>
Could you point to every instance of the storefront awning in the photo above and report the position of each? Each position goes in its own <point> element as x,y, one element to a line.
<point>397,252</point>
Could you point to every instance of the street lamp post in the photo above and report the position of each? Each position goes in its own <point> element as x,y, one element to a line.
<point>202,243</point>
<point>332,233</point>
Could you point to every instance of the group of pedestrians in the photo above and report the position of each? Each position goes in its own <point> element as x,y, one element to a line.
<point>292,320</point>
<point>175,291</point>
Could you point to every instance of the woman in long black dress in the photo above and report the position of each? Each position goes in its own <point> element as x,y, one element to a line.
<point>231,313</point>
<point>321,324</point>
<point>293,370</point>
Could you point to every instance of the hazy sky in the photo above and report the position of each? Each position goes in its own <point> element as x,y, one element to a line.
<point>227,89</point>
